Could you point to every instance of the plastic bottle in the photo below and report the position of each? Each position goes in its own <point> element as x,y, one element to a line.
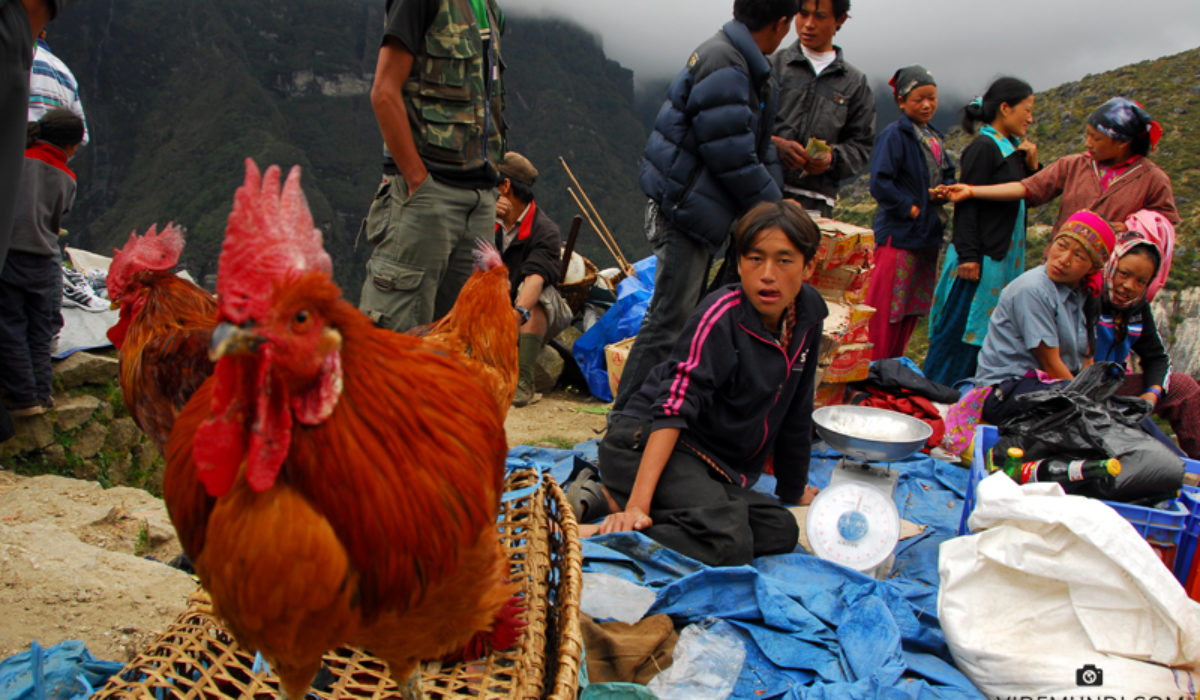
<point>1069,471</point>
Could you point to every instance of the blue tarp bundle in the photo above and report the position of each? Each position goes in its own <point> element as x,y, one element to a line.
<point>65,671</point>
<point>812,629</point>
<point>618,323</point>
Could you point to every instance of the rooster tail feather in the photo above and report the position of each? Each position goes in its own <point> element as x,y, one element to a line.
<point>506,629</point>
<point>486,255</point>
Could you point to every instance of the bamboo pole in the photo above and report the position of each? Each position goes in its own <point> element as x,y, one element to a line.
<point>591,222</point>
<point>602,230</point>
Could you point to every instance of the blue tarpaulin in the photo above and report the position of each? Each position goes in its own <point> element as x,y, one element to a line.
<point>65,671</point>
<point>621,321</point>
<point>812,629</point>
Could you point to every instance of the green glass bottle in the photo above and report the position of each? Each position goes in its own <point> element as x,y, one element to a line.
<point>1008,461</point>
<point>1069,471</point>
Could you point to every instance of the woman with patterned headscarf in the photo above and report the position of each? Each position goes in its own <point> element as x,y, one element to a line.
<point>1136,270</point>
<point>1113,177</point>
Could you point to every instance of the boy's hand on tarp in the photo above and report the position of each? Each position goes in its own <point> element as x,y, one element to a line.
<point>631,519</point>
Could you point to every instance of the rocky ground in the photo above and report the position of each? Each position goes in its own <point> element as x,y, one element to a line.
<point>78,561</point>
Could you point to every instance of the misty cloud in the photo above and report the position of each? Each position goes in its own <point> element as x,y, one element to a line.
<point>964,43</point>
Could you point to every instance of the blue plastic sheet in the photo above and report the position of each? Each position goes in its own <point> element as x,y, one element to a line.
<point>621,321</point>
<point>814,630</point>
<point>65,671</point>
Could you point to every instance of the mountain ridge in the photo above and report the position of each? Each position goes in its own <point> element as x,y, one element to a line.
<point>178,96</point>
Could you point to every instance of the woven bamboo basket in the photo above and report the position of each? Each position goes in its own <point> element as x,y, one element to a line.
<point>576,293</point>
<point>197,658</point>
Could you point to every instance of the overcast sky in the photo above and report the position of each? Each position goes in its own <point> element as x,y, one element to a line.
<point>964,43</point>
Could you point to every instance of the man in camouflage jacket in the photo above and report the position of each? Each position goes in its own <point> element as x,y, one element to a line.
<point>438,98</point>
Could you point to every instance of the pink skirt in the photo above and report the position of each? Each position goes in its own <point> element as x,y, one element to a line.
<point>901,290</point>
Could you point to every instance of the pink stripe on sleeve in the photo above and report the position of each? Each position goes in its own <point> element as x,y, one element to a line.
<point>683,374</point>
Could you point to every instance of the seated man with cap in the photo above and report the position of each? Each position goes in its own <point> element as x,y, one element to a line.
<point>531,246</point>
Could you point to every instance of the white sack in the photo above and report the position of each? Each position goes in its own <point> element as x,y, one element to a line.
<point>1053,583</point>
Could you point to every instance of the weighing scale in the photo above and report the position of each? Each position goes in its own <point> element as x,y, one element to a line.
<point>854,521</point>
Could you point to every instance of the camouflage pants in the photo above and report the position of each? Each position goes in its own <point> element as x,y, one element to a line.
<point>423,249</point>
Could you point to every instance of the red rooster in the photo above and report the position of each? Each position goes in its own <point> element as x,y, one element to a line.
<point>162,335</point>
<point>356,472</point>
<point>481,328</point>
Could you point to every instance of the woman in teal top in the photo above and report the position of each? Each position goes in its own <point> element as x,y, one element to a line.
<point>988,248</point>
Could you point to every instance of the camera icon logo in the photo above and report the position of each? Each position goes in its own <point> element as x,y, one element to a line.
<point>1089,675</point>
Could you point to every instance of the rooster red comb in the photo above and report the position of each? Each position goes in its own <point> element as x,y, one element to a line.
<point>151,251</point>
<point>270,235</point>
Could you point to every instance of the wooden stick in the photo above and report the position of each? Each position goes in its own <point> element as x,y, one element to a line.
<point>587,215</point>
<point>615,248</point>
<point>596,214</point>
<point>569,249</point>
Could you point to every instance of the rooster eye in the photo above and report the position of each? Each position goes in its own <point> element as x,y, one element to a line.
<point>301,319</point>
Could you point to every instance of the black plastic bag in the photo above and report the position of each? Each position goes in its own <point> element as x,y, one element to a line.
<point>1083,419</point>
<point>891,375</point>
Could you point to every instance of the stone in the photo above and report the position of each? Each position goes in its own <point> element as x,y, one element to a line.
<point>548,369</point>
<point>74,411</point>
<point>85,368</point>
<point>52,553</point>
<point>568,337</point>
<point>87,470</point>
<point>123,434</point>
<point>89,440</point>
<point>55,455</point>
<point>32,433</point>
<point>145,456</point>
<point>1177,315</point>
<point>119,469</point>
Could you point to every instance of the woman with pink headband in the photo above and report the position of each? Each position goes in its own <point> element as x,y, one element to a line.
<point>1041,330</point>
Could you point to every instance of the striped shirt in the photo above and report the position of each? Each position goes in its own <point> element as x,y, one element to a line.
<point>52,84</point>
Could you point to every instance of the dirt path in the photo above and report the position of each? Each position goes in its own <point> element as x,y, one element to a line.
<point>72,555</point>
<point>558,420</point>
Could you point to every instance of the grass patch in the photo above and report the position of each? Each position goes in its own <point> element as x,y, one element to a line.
<point>142,545</point>
<point>553,441</point>
<point>595,410</point>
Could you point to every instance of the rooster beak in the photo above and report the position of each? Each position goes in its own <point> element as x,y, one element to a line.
<point>228,339</point>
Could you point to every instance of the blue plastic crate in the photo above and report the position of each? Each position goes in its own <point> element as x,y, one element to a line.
<point>1185,554</point>
<point>1159,526</point>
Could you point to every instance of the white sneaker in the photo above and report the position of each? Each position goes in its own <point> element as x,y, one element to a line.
<point>78,294</point>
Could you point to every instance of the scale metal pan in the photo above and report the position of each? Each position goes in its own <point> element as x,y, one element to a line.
<point>871,434</point>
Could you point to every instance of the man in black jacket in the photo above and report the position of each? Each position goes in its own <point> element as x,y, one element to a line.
<point>821,97</point>
<point>531,246</point>
<point>708,160</point>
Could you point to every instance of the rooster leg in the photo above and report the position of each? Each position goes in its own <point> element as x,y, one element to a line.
<point>410,689</point>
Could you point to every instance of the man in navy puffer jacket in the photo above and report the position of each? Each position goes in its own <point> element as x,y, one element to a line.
<point>708,160</point>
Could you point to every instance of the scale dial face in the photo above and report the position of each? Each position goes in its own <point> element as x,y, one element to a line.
<point>853,524</point>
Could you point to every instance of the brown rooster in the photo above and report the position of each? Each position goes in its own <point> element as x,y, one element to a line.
<point>481,327</point>
<point>162,335</point>
<point>356,472</point>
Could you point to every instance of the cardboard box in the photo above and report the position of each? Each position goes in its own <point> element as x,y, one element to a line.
<point>864,253</point>
<point>842,284</point>
<point>851,363</point>
<point>844,244</point>
<point>830,394</point>
<point>615,355</point>
<point>848,323</point>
